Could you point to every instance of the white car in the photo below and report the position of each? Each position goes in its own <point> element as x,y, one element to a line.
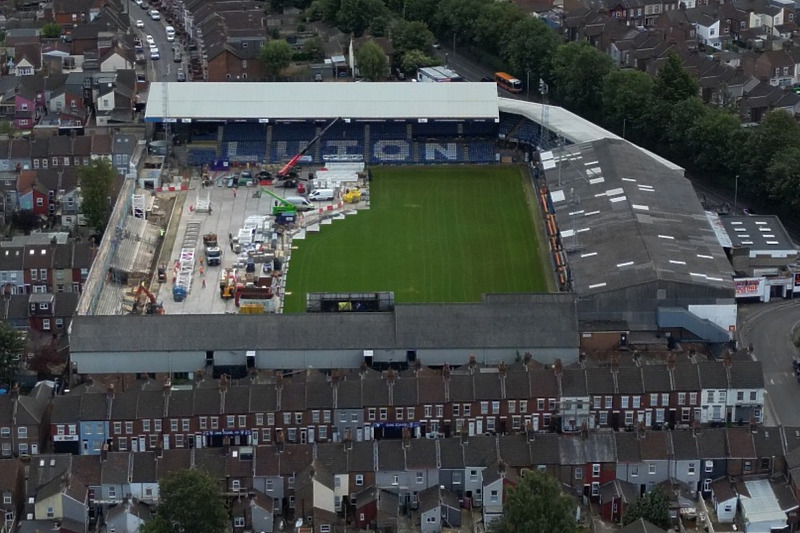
<point>139,3</point>
<point>154,14</point>
<point>150,40</point>
<point>140,23</point>
<point>154,54</point>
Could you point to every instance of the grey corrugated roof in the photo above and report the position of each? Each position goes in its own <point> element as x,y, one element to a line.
<point>515,321</point>
<point>315,101</point>
<point>637,221</point>
<point>759,233</point>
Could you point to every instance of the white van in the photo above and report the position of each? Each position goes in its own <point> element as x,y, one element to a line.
<point>170,33</point>
<point>322,194</point>
<point>300,203</point>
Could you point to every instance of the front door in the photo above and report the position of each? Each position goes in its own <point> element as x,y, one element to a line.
<point>479,426</point>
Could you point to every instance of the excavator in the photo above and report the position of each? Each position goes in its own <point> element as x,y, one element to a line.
<point>287,171</point>
<point>152,307</point>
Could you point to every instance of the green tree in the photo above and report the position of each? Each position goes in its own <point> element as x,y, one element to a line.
<point>578,72</point>
<point>673,83</point>
<point>6,128</point>
<point>681,127</point>
<point>627,97</point>
<point>51,30</point>
<point>11,348</point>
<point>96,181</point>
<point>530,47</point>
<point>778,132</point>
<point>720,135</point>
<point>313,49</point>
<point>372,61</point>
<point>653,507</point>
<point>276,55</point>
<point>355,16</point>
<point>408,36</point>
<point>491,25</point>
<point>457,18</point>
<point>537,505</point>
<point>783,178</point>
<point>414,59</point>
<point>189,500</point>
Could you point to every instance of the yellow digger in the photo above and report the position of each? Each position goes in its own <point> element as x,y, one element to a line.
<point>352,196</point>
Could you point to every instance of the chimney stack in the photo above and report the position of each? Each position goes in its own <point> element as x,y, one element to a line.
<point>406,437</point>
<point>558,367</point>
<point>110,391</point>
<point>502,369</point>
<point>167,386</point>
<point>446,372</point>
<point>527,358</point>
<point>279,380</point>
<point>727,360</point>
<point>391,377</point>
<point>473,362</point>
<point>417,365</point>
<point>671,361</point>
<point>362,370</point>
<point>223,383</point>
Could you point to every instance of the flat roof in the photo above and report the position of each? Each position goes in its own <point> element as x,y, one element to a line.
<point>500,321</point>
<point>321,101</point>
<point>762,505</point>
<point>627,220</point>
<point>762,234</point>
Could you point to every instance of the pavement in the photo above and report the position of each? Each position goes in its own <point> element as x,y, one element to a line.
<point>768,327</point>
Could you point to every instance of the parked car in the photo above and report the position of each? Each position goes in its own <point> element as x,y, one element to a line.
<point>178,56</point>
<point>154,14</point>
<point>181,76</point>
<point>139,23</point>
<point>150,40</point>
<point>154,55</point>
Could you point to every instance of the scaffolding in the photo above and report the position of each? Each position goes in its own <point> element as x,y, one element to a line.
<point>185,266</point>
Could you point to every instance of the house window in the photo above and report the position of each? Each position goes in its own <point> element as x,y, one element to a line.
<point>490,423</point>
<point>203,422</point>
<point>740,396</point>
<point>706,485</point>
<point>231,421</point>
<point>35,163</point>
<point>579,473</point>
<point>55,161</point>
<point>628,418</point>
<point>7,499</point>
<point>494,496</point>
<point>238,521</point>
<point>603,418</point>
<point>495,408</point>
<point>146,426</point>
<point>540,403</point>
<point>266,435</point>
<point>157,425</point>
<point>681,398</point>
<point>651,469</point>
<point>747,466</point>
<point>22,432</point>
<point>292,434</point>
<point>440,411</point>
<point>269,485</point>
<point>185,424</point>
<point>710,396</point>
<point>326,416</point>
<point>653,400</point>
<point>315,417</point>
<point>123,444</point>
<point>637,402</point>
<point>235,485</point>
<point>624,402</point>
<point>420,477</point>
<point>709,466</point>
<point>753,396</point>
<point>270,419</point>
<point>173,424</point>
<point>43,276</point>
<point>634,471</point>
<point>323,432</point>
<point>384,413</point>
<point>685,414</point>
<point>523,406</point>
<point>484,408</point>
<point>456,478</point>
<point>691,469</point>
<point>595,470</point>
<point>44,163</point>
<point>259,419</point>
<point>214,422</point>
<point>50,512</point>
<point>66,161</point>
<point>46,324</point>
<point>128,428</point>
<point>692,398</point>
<point>395,480</point>
<point>371,413</point>
<point>466,409</point>
<point>359,480</point>
<point>398,413</point>
<point>242,421</point>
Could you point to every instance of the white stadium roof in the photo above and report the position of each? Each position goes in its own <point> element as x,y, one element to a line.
<point>320,101</point>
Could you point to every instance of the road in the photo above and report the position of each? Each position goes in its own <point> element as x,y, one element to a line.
<point>163,69</point>
<point>768,327</point>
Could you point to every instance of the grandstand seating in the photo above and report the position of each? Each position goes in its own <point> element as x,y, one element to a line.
<point>479,129</point>
<point>244,131</point>
<point>435,129</point>
<point>387,130</point>
<point>200,156</point>
<point>507,123</point>
<point>244,151</point>
<point>528,132</point>
<point>481,152</point>
<point>294,131</point>
<point>390,151</point>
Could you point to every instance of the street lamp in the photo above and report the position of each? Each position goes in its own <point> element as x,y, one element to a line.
<point>735,193</point>
<point>624,124</point>
<point>528,82</point>
<point>446,56</point>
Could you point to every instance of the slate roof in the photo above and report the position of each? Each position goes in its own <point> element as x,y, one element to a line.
<point>713,443</point>
<point>740,443</point>
<point>573,383</point>
<point>713,375</point>
<point>641,526</point>
<point>391,456</point>
<point>630,381</point>
<point>687,377</point>
<point>451,453</point>
<point>628,447</point>
<point>545,449</point>
<point>747,375</point>
<point>655,446</point>
<point>115,468</point>
<point>514,450</point>
<point>600,381</point>
<point>768,442</point>
<point>684,445</point>
<point>656,378</point>
<point>421,454</point>
<point>479,451</point>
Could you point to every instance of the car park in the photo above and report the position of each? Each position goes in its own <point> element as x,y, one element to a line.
<point>140,23</point>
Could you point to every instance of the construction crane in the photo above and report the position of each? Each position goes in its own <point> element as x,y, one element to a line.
<point>286,171</point>
<point>152,307</point>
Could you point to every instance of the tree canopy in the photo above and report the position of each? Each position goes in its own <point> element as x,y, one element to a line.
<point>96,181</point>
<point>11,348</point>
<point>372,62</point>
<point>653,507</point>
<point>536,505</point>
<point>190,501</point>
<point>51,30</point>
<point>276,56</point>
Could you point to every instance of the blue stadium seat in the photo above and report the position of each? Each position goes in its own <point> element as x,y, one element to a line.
<point>390,151</point>
<point>481,152</point>
<point>200,156</point>
<point>387,130</point>
<point>507,123</point>
<point>479,129</point>
<point>294,131</point>
<point>244,131</point>
<point>435,129</point>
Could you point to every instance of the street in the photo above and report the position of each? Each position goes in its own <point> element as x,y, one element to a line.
<point>163,69</point>
<point>768,327</point>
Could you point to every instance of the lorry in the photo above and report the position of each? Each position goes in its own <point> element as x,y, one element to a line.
<point>212,250</point>
<point>438,74</point>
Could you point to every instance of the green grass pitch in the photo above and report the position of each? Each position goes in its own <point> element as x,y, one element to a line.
<point>432,234</point>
